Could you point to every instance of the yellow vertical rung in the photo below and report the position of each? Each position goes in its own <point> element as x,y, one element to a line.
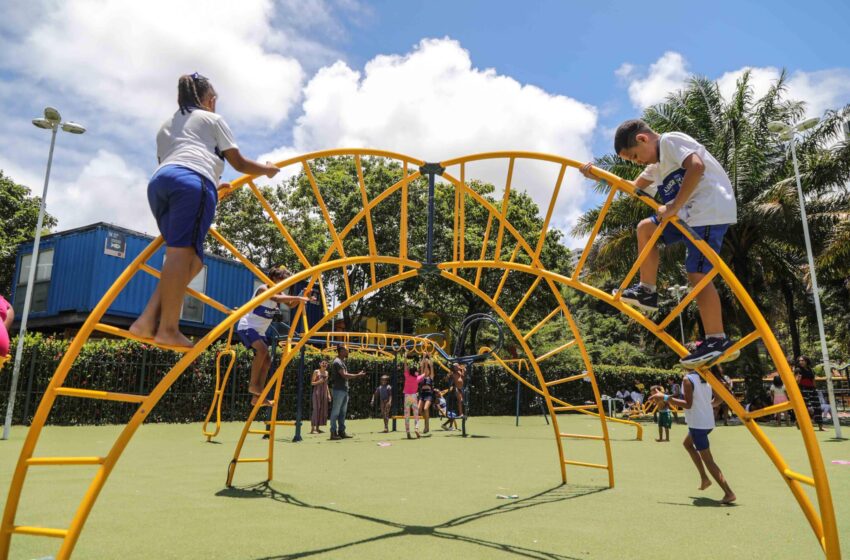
<point>583,464</point>
<point>567,379</point>
<point>40,531</point>
<point>555,351</point>
<point>650,245</point>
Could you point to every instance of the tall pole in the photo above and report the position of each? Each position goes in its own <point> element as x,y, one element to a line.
<point>681,325</point>
<point>824,351</point>
<point>19,351</point>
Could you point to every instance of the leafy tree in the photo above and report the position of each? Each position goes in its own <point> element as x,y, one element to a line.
<point>20,216</point>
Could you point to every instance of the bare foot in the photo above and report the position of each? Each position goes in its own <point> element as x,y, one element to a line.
<point>728,498</point>
<point>705,484</point>
<point>658,439</point>
<point>266,402</point>
<point>142,329</point>
<point>385,432</point>
<point>417,434</point>
<point>172,339</point>
<point>254,390</point>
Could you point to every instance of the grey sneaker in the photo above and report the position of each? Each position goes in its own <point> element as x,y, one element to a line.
<point>640,297</point>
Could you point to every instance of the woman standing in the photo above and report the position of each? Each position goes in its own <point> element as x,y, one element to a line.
<point>805,376</point>
<point>321,398</point>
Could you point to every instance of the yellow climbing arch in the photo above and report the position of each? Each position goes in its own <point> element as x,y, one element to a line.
<point>512,254</point>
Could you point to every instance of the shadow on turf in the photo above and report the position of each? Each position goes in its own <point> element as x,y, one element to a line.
<point>556,494</point>
<point>701,501</point>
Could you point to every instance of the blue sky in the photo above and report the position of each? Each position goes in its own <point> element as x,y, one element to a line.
<point>432,79</point>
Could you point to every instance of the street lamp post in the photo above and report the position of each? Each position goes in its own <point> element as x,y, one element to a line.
<point>51,121</point>
<point>789,133</point>
<point>679,290</point>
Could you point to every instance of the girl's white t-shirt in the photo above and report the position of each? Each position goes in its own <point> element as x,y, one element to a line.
<point>196,140</point>
<point>701,413</point>
<point>713,200</point>
<point>260,317</point>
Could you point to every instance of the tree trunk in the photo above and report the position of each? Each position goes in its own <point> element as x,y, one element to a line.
<point>748,365</point>
<point>788,293</point>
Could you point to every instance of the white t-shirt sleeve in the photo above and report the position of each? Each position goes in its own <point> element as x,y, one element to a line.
<point>223,136</point>
<point>678,147</point>
<point>650,173</point>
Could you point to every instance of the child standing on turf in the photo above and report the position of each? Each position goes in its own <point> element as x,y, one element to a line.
<point>699,416</point>
<point>665,415</point>
<point>693,186</point>
<point>384,393</point>
<point>411,397</point>
<point>191,148</point>
<point>777,391</point>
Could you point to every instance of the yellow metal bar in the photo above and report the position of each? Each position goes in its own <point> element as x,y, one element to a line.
<point>505,275</point>
<point>555,351</point>
<point>456,228</point>
<point>115,331</point>
<point>240,257</point>
<point>462,221</point>
<point>40,531</point>
<point>545,229</point>
<point>337,241</point>
<point>567,379</point>
<point>581,436</point>
<point>220,384</point>
<point>799,477</point>
<point>524,299</point>
<point>648,248</point>
<point>402,242</point>
<point>750,338</point>
<point>769,410</point>
<point>373,250</point>
<point>484,247</point>
<point>194,293</point>
<point>539,325</point>
<point>594,232</point>
<point>682,305</point>
<point>583,464</point>
<point>52,461</point>
<point>253,460</point>
<point>99,395</point>
<point>505,200</point>
<point>279,224</point>
<point>574,407</point>
<point>264,432</point>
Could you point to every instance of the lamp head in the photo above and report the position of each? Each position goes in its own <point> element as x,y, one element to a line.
<point>73,128</point>
<point>787,135</point>
<point>52,115</point>
<point>43,123</point>
<point>807,124</point>
<point>778,127</point>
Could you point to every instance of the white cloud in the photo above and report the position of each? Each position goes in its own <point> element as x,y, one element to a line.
<point>433,104</point>
<point>821,90</point>
<point>666,75</point>
<point>125,57</point>
<point>108,189</point>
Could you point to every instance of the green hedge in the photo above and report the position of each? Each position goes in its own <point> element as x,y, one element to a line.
<point>130,367</point>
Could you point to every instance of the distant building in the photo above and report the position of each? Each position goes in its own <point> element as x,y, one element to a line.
<point>76,267</point>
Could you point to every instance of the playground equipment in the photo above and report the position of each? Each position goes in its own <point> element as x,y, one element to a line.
<point>510,253</point>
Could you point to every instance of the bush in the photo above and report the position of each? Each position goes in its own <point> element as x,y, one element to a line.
<point>130,367</point>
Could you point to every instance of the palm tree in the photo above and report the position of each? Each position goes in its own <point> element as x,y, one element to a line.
<point>764,248</point>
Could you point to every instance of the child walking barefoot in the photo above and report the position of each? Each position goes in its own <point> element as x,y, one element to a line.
<point>191,148</point>
<point>411,397</point>
<point>384,392</point>
<point>665,415</point>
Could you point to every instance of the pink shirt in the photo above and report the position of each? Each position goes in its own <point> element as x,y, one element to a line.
<point>411,382</point>
<point>4,308</point>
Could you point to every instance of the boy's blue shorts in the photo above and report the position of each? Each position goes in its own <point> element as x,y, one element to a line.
<point>695,261</point>
<point>183,202</point>
<point>249,336</point>
<point>699,437</point>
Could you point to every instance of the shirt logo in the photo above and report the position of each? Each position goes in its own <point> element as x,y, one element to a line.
<point>669,187</point>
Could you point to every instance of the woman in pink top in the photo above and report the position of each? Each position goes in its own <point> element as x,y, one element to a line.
<point>7,315</point>
<point>411,396</point>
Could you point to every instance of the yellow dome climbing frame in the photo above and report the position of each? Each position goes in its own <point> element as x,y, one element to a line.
<point>465,269</point>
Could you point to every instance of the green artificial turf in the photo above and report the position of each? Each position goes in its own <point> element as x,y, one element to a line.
<point>432,498</point>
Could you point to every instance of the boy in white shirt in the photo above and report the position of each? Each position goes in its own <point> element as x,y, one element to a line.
<point>694,186</point>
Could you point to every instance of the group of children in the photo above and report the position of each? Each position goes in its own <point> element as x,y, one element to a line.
<point>422,397</point>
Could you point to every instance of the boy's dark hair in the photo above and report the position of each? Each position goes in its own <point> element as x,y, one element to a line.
<point>777,381</point>
<point>191,89</point>
<point>625,137</point>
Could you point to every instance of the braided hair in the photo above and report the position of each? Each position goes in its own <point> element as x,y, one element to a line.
<point>191,89</point>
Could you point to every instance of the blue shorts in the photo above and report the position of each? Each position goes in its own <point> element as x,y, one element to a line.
<point>249,336</point>
<point>699,437</point>
<point>183,202</point>
<point>695,261</point>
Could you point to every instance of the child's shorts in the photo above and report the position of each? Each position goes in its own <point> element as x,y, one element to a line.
<point>183,202</point>
<point>665,419</point>
<point>699,437</point>
<point>695,261</point>
<point>426,397</point>
<point>249,336</point>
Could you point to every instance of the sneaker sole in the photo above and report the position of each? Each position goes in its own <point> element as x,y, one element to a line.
<point>638,304</point>
<point>708,358</point>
